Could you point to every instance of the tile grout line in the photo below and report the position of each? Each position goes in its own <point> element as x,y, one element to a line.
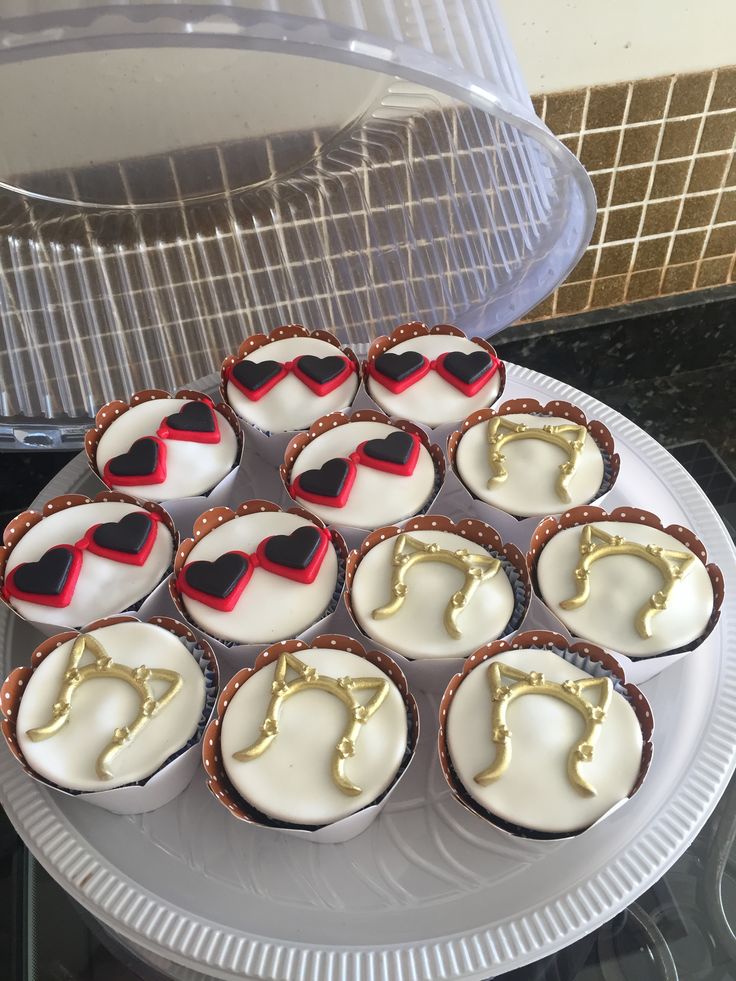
<point>688,178</point>
<point>609,196</point>
<point>712,224</point>
<point>650,185</point>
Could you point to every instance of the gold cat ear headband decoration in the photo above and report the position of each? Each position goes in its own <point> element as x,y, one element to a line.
<point>102,666</point>
<point>409,552</point>
<point>307,677</point>
<point>597,544</point>
<point>502,431</point>
<point>570,692</point>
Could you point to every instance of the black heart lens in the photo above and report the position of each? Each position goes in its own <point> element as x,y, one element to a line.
<point>141,459</point>
<point>328,481</point>
<point>194,417</point>
<point>467,368</point>
<point>396,448</point>
<point>399,367</point>
<point>129,535</point>
<point>218,578</point>
<point>47,576</point>
<point>321,370</point>
<point>255,374</point>
<point>295,551</point>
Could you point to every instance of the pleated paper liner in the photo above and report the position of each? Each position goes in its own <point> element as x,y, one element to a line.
<point>182,509</point>
<point>638,669</point>
<point>348,827</point>
<point>514,528</point>
<point>405,332</point>
<point>431,674</point>
<point>232,655</point>
<point>22,523</point>
<point>587,657</point>
<point>174,776</point>
<point>354,536</point>
<point>272,446</point>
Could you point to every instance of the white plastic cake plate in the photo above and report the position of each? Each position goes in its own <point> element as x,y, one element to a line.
<point>429,891</point>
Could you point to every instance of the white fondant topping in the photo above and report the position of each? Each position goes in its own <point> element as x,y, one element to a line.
<point>432,400</point>
<point>99,706</point>
<point>292,780</point>
<point>417,630</point>
<point>619,586</point>
<point>270,607</point>
<point>533,469</point>
<point>291,405</point>
<point>535,791</point>
<point>104,586</point>
<point>377,498</point>
<point>191,468</point>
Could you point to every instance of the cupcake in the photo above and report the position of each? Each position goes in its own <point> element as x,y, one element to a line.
<point>160,448</point>
<point>154,689</point>
<point>652,595</point>
<point>336,751</point>
<point>362,470</point>
<point>436,589</point>
<point>283,381</point>
<point>531,460</point>
<point>78,559</point>
<point>543,738</point>
<point>432,376</point>
<point>258,574</point>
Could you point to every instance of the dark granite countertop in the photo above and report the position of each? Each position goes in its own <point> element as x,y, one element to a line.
<point>673,372</point>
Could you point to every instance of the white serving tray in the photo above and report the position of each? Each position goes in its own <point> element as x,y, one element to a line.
<point>429,891</point>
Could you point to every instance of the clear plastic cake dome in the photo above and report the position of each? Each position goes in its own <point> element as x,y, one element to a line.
<point>173,177</point>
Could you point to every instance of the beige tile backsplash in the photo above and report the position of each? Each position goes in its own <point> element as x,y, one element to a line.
<point>660,153</point>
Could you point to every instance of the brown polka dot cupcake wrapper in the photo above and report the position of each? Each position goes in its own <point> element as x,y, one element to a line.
<point>255,341</point>
<point>511,558</point>
<point>528,406</point>
<point>640,669</point>
<point>405,332</point>
<point>22,524</point>
<point>587,657</point>
<point>175,773</point>
<point>334,419</point>
<point>211,519</point>
<point>111,411</point>
<point>226,795</point>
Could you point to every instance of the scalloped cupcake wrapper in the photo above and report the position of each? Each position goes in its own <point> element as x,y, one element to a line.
<point>404,332</point>
<point>345,828</point>
<point>638,669</point>
<point>272,446</point>
<point>595,661</point>
<point>19,526</point>
<point>174,775</point>
<point>234,654</point>
<point>520,529</point>
<point>352,535</point>
<point>182,509</point>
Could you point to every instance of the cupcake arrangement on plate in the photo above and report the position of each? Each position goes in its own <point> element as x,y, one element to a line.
<point>446,564</point>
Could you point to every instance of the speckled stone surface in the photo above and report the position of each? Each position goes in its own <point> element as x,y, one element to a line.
<point>672,372</point>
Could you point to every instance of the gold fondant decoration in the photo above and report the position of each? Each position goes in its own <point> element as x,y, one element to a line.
<point>568,437</point>
<point>103,666</point>
<point>534,683</point>
<point>307,677</point>
<point>597,544</point>
<point>409,552</point>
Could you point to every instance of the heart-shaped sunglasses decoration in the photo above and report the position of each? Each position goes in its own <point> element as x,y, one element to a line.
<point>220,584</point>
<point>331,484</point>
<point>145,462</point>
<point>51,580</point>
<point>468,373</point>
<point>322,375</point>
